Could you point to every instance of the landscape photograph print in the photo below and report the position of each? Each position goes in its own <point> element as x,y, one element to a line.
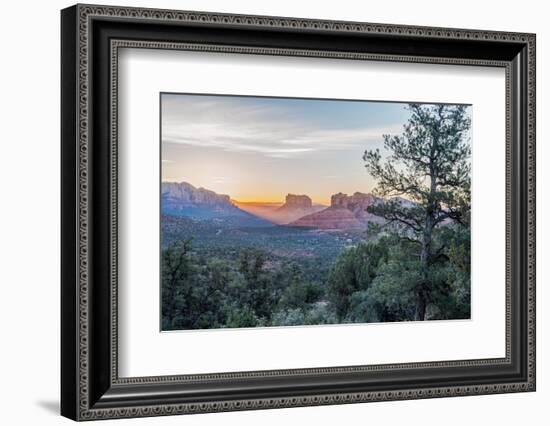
<point>283,212</point>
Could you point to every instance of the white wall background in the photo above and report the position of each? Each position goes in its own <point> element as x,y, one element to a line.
<point>29,212</point>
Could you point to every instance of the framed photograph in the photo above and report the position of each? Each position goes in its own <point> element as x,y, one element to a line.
<point>263,212</point>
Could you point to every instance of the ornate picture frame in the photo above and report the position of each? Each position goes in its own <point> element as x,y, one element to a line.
<point>91,37</point>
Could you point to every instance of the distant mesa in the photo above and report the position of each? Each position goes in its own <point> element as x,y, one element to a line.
<point>184,194</point>
<point>353,202</point>
<point>184,200</point>
<point>294,207</point>
<point>296,202</point>
<point>346,212</point>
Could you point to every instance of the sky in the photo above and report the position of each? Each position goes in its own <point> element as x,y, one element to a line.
<point>260,149</point>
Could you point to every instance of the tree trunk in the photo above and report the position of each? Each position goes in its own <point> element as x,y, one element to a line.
<point>424,289</point>
<point>422,292</point>
<point>421,303</point>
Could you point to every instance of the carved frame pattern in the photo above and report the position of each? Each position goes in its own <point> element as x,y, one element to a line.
<point>85,13</point>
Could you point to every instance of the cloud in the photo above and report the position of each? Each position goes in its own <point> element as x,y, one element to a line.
<point>221,179</point>
<point>266,129</point>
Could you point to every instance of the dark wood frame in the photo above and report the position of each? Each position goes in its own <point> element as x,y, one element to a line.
<point>91,37</point>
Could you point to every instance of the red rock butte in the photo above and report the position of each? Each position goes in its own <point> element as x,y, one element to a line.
<point>297,201</point>
<point>345,213</point>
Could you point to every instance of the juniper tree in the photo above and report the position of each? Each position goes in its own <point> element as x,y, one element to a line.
<point>426,182</point>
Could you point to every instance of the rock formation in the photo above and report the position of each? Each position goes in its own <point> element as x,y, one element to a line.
<point>296,202</point>
<point>184,200</point>
<point>295,207</point>
<point>345,213</point>
<point>186,195</point>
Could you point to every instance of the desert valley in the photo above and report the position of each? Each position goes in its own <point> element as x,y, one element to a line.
<point>345,212</point>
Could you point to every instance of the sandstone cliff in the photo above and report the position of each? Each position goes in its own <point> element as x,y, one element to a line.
<point>186,195</point>
<point>296,202</point>
<point>346,212</point>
